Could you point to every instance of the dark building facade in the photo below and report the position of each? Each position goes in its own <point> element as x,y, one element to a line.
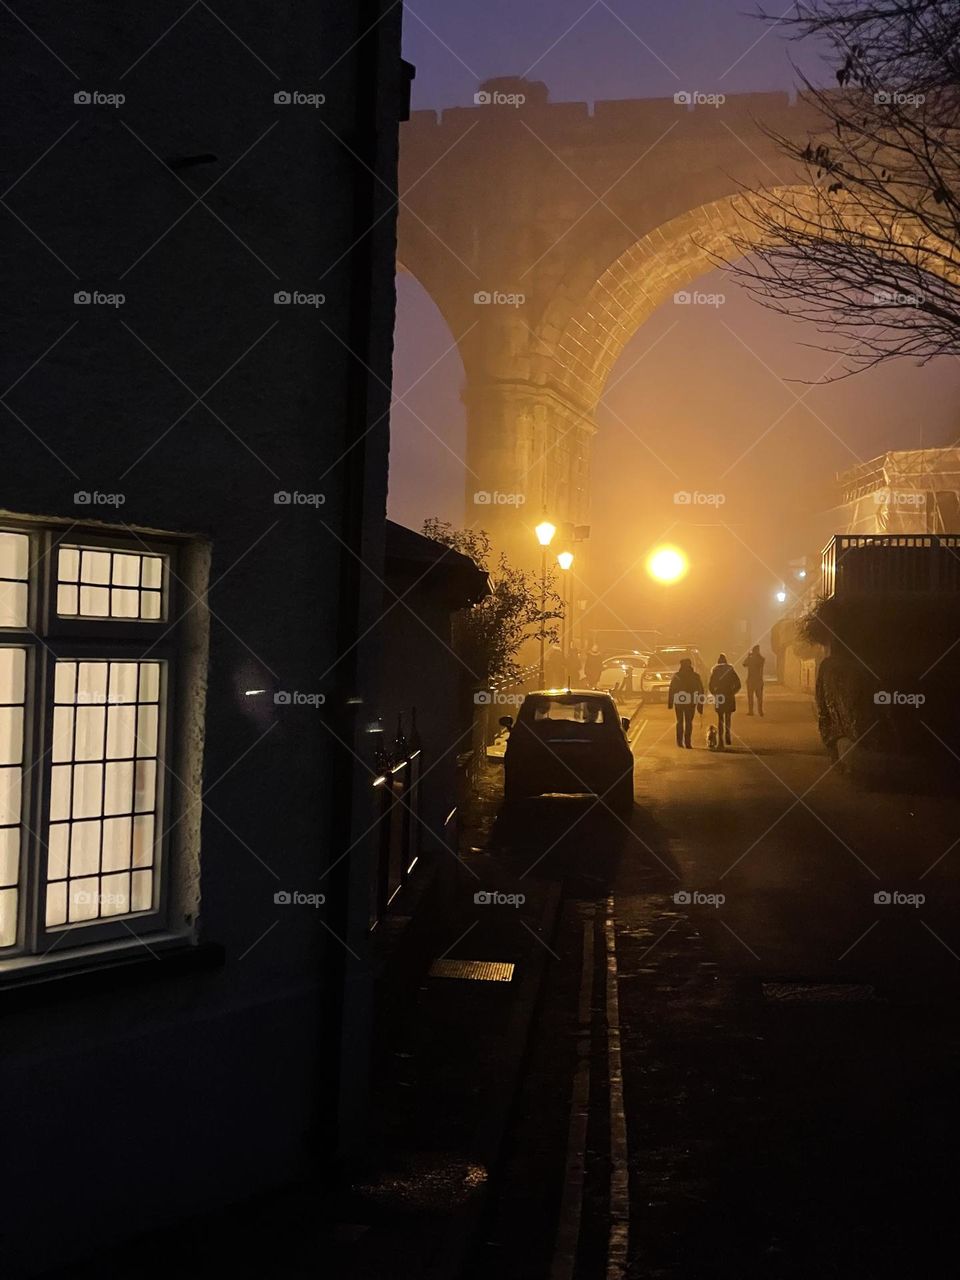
<point>199,245</point>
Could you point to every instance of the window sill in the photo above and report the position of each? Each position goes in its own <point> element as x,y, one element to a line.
<point>30,981</point>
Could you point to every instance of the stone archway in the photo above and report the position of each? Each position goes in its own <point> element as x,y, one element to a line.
<point>580,224</point>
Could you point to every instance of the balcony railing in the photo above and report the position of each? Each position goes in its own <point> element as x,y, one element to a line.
<point>874,564</point>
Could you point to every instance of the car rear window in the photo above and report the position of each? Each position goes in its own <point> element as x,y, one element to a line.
<point>575,711</point>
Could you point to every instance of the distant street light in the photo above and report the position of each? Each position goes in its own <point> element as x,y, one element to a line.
<point>565,561</point>
<point>544,531</point>
<point>667,564</point>
<point>781,597</point>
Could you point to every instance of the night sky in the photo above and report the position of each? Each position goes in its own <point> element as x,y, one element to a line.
<point>714,382</point>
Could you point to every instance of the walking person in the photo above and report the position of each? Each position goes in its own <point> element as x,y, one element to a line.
<point>685,696</point>
<point>593,666</point>
<point>555,668</point>
<point>574,667</point>
<point>754,664</point>
<point>724,685</point>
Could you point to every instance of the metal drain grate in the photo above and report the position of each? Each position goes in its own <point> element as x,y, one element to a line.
<point>473,970</point>
<point>818,992</point>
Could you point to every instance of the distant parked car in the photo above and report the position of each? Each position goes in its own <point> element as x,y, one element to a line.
<point>623,669</point>
<point>663,665</point>
<point>572,742</point>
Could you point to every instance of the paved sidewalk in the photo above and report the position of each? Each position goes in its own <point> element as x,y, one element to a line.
<point>447,1064</point>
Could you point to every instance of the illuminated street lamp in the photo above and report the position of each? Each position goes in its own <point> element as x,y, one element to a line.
<point>667,564</point>
<point>545,532</point>
<point>781,597</point>
<point>565,561</point>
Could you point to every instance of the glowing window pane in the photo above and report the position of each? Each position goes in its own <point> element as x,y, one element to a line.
<point>94,602</point>
<point>14,555</point>
<point>13,666</point>
<point>92,682</point>
<point>95,567</point>
<point>116,844</point>
<point>85,848</point>
<point>56,912</point>
<point>8,917</point>
<point>126,570</point>
<point>123,681</point>
<point>121,732</point>
<point>13,604</point>
<point>152,572</point>
<point>88,742</point>
<point>11,735</point>
<point>9,857</point>
<point>14,571</point>
<point>68,564</point>
<point>58,851</point>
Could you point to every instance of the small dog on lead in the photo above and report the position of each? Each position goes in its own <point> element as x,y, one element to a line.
<point>713,738</point>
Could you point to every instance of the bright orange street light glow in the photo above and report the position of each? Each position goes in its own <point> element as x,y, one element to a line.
<point>667,564</point>
<point>545,531</point>
<point>565,559</point>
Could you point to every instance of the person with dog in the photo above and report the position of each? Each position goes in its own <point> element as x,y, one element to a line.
<point>685,697</point>
<point>724,685</point>
<point>754,664</point>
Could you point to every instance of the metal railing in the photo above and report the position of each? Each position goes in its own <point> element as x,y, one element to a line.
<point>871,564</point>
<point>398,828</point>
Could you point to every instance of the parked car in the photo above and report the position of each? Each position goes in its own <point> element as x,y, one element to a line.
<point>623,670</point>
<point>663,665</point>
<point>571,742</point>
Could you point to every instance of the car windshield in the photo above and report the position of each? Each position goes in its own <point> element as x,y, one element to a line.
<point>668,659</point>
<point>572,711</point>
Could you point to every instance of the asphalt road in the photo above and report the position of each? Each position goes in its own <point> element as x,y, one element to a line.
<point>744,1062</point>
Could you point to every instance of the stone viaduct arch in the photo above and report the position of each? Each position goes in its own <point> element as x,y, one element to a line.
<point>593,219</point>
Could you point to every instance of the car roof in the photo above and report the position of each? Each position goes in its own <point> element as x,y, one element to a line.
<point>554,694</point>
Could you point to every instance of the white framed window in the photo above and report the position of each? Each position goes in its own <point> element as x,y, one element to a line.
<point>87,672</point>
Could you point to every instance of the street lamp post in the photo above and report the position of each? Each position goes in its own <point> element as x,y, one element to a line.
<point>565,561</point>
<point>544,531</point>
